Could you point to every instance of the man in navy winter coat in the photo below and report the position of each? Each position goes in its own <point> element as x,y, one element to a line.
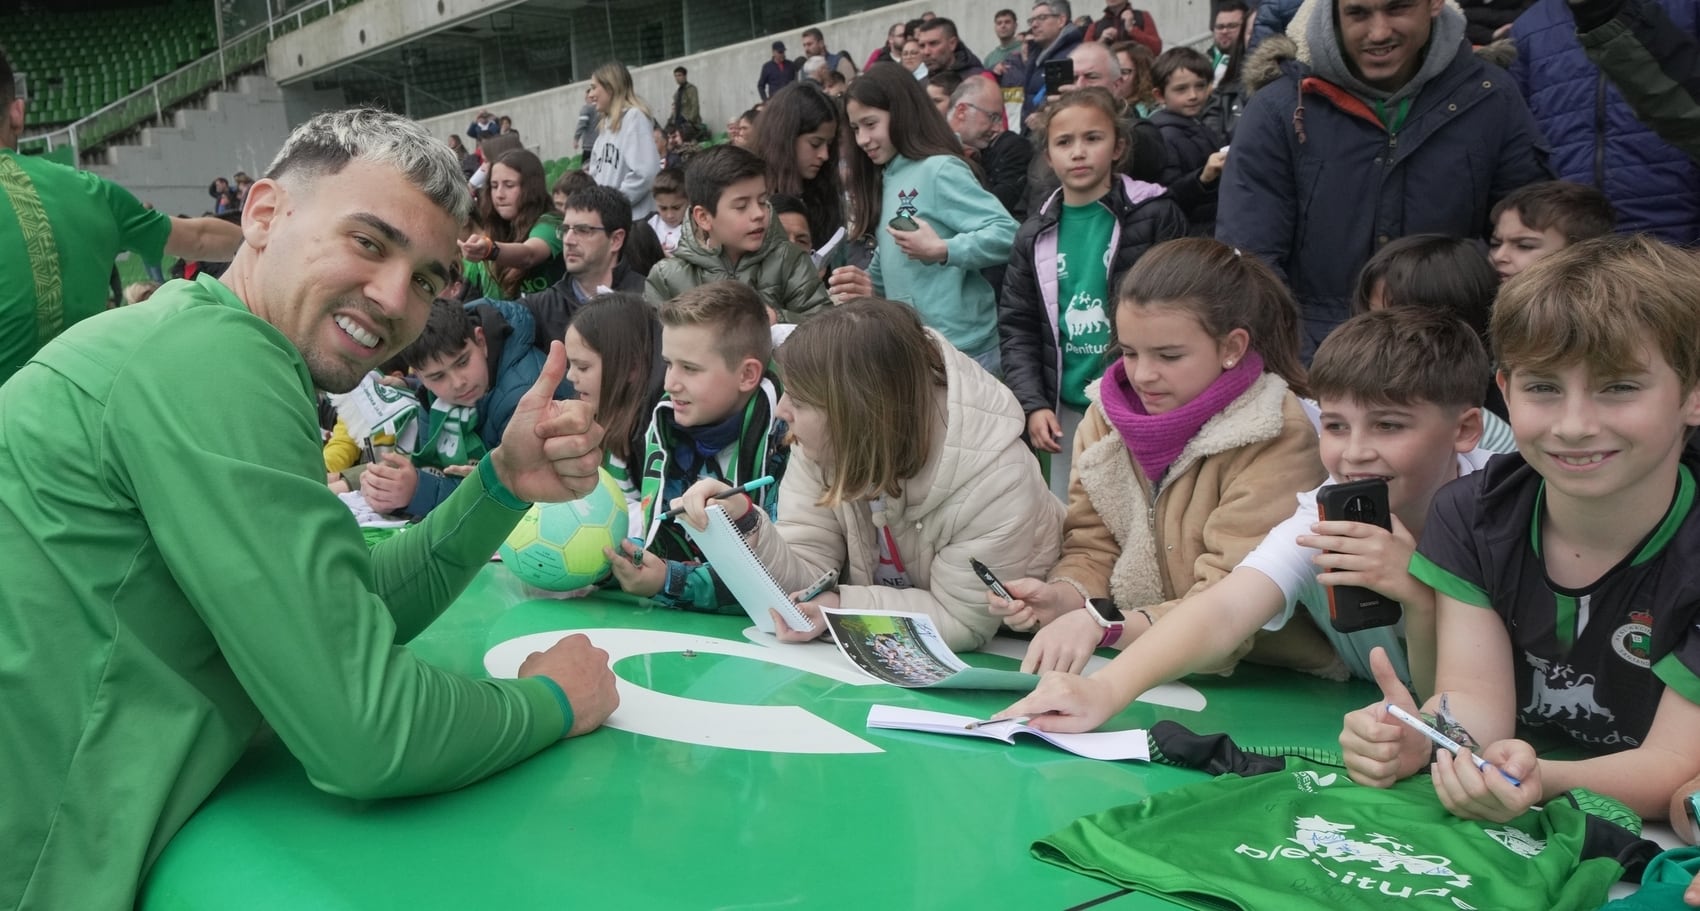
<point>1385,125</point>
<point>776,73</point>
<point>1596,137</point>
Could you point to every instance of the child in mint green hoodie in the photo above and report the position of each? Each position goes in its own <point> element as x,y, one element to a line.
<point>933,226</point>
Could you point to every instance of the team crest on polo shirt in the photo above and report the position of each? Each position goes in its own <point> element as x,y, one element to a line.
<point>1633,641</point>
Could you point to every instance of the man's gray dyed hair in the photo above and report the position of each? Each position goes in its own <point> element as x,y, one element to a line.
<point>328,142</point>
<point>1060,7</point>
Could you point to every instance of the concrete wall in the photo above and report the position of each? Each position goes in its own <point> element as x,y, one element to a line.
<point>364,28</point>
<point>726,77</point>
<point>171,168</point>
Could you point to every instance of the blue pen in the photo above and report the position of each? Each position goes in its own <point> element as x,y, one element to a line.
<point>751,487</point>
<point>1446,743</point>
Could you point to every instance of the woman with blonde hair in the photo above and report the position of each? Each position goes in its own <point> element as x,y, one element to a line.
<point>623,155</point>
<point>907,463</point>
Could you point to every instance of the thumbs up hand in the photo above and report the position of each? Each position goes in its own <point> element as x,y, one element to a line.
<point>1379,750</point>
<point>550,450</point>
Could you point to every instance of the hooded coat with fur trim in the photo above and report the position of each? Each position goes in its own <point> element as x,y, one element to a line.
<point>1148,546</point>
<point>1317,182</point>
<point>979,496</point>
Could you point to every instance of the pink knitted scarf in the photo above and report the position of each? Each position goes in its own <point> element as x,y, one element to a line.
<point>1156,440</point>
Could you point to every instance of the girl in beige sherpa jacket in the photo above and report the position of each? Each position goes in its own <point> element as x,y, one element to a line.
<point>907,462</point>
<point>1194,446</point>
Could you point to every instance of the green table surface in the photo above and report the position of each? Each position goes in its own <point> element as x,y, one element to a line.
<point>627,819</point>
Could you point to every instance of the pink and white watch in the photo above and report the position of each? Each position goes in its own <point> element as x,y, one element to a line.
<point>1109,617</point>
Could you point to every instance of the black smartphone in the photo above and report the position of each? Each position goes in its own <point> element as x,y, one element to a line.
<point>1351,608</point>
<point>1058,73</point>
<point>990,580</point>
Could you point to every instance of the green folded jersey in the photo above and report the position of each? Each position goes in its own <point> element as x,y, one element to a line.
<point>1305,836</point>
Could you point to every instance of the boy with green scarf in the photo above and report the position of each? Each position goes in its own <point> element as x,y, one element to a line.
<point>715,420</point>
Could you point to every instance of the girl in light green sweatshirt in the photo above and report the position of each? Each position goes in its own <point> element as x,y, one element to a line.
<point>933,226</point>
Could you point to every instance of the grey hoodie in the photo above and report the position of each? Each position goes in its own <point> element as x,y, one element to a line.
<point>1328,60</point>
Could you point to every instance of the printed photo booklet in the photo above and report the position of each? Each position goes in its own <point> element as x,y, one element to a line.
<point>906,649</point>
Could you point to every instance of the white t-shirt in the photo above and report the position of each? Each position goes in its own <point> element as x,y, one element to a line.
<point>669,235</point>
<point>1289,566</point>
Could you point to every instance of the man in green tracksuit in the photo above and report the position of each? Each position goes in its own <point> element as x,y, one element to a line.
<point>176,571</point>
<point>60,229</point>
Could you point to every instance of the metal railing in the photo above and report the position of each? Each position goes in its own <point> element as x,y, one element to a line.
<point>150,102</point>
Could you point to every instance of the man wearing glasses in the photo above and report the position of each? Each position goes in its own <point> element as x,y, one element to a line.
<point>1225,35</point>
<point>593,234</point>
<point>892,50</point>
<point>976,114</point>
<point>1054,36</point>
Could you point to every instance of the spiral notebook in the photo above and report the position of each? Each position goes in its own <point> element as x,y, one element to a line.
<point>743,574</point>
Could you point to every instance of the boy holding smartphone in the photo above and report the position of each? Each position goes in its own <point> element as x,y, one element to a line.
<point>1401,394</point>
<point>1566,595</point>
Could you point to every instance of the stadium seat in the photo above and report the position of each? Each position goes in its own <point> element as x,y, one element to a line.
<point>80,62</point>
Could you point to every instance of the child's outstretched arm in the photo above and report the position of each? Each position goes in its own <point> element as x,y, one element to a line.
<point>1198,634</point>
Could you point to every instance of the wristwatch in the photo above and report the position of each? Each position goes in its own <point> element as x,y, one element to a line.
<point>1109,617</point>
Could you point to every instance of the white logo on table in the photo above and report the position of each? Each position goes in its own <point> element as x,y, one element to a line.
<point>736,726</point>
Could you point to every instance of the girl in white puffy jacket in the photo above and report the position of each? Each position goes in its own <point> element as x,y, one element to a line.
<point>906,463</point>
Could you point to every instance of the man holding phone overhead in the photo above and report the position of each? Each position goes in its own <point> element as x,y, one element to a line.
<point>1054,36</point>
